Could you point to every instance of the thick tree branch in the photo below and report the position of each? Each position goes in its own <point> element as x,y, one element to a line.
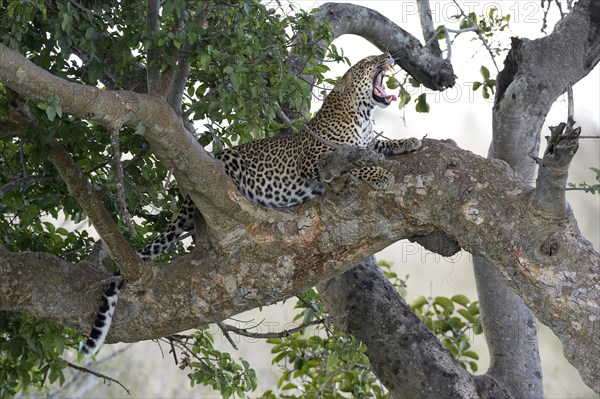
<point>321,239</point>
<point>153,24</point>
<point>195,170</point>
<point>536,73</point>
<point>554,168</point>
<point>429,32</point>
<point>118,248</point>
<point>432,71</point>
<point>404,349</point>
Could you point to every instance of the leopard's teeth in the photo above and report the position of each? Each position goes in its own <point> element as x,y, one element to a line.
<point>388,100</point>
<point>377,92</point>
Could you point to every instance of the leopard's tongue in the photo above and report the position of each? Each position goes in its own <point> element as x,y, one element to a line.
<point>382,93</point>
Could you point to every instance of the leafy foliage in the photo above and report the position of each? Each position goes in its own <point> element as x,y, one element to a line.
<point>452,324</point>
<point>217,369</point>
<point>327,363</point>
<point>30,353</point>
<point>322,363</point>
<point>488,86</point>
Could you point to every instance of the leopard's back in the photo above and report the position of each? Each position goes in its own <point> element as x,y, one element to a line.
<point>276,172</point>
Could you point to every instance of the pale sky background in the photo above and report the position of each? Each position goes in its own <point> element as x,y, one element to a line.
<point>459,114</point>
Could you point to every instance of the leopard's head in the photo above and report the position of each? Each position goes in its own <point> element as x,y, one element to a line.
<point>365,79</point>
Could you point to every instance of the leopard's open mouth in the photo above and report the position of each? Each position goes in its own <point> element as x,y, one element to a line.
<point>379,93</point>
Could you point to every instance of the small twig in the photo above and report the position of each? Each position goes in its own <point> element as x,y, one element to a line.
<point>562,13</point>
<point>172,351</point>
<point>226,333</point>
<point>99,375</point>
<point>24,181</point>
<point>22,158</point>
<point>116,150</point>
<point>282,334</point>
<point>590,137</point>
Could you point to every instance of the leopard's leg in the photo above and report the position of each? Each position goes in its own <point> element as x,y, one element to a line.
<point>183,223</point>
<point>375,176</point>
<point>400,146</point>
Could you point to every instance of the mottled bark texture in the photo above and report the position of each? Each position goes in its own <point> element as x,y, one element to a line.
<point>535,74</point>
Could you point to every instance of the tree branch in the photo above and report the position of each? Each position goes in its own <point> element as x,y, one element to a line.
<point>116,245</point>
<point>432,71</point>
<point>99,375</point>
<point>320,239</point>
<point>535,74</point>
<point>195,170</point>
<point>153,24</point>
<point>429,32</point>
<point>120,181</point>
<point>23,181</point>
<point>405,349</point>
<point>554,168</point>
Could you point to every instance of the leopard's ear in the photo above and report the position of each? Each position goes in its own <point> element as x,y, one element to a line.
<point>345,82</point>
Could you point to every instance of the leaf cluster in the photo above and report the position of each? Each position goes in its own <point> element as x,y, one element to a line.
<point>240,55</point>
<point>214,368</point>
<point>488,86</point>
<point>453,320</point>
<point>31,353</point>
<point>322,363</point>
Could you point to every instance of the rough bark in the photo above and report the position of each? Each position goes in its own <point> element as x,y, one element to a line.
<point>535,74</point>
<point>509,324</point>
<point>284,253</point>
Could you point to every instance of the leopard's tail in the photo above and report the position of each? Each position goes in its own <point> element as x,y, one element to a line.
<point>103,318</point>
<point>184,222</point>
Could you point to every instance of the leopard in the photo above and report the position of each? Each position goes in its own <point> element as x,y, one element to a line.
<point>283,171</point>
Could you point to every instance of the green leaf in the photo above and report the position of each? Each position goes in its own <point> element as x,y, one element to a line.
<point>403,98</point>
<point>466,314</point>
<point>474,366</point>
<point>91,34</point>
<point>51,112</point>
<point>422,105</point>
<point>461,299</point>
<point>332,360</point>
<point>476,85</point>
<point>205,61</point>
<point>418,302</point>
<point>484,72</point>
<point>445,303</point>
